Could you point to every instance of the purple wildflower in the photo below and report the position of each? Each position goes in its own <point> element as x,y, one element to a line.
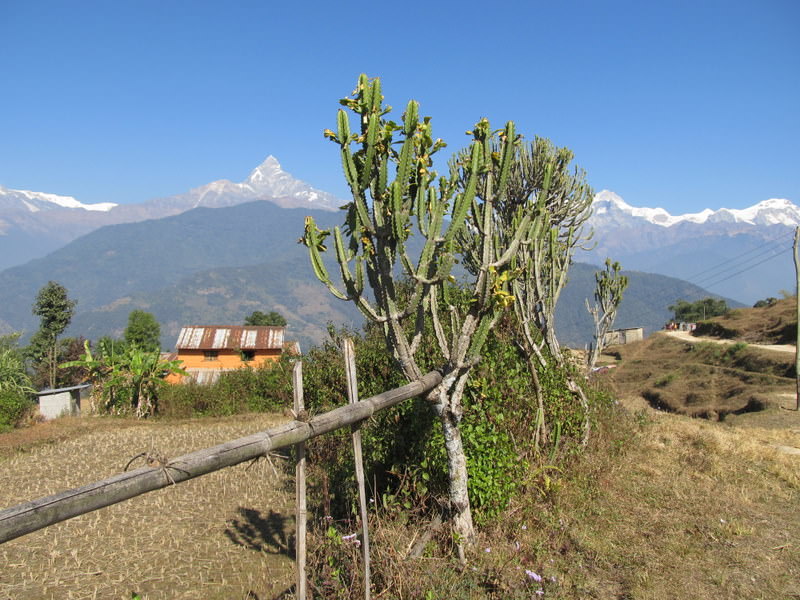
<point>536,577</point>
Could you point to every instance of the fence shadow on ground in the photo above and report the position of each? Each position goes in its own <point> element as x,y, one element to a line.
<point>254,531</point>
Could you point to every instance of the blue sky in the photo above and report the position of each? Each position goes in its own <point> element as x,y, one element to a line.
<point>684,105</point>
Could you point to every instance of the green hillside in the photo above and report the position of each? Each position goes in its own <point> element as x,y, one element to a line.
<point>215,266</point>
<point>644,303</point>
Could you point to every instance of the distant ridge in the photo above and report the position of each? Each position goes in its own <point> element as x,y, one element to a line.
<point>219,265</point>
<point>742,254</point>
<point>35,223</point>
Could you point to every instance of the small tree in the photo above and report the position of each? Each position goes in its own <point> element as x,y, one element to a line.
<point>610,284</point>
<point>699,310</point>
<point>258,318</point>
<point>55,310</point>
<point>143,331</point>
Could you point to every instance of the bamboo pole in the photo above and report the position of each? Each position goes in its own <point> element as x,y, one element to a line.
<point>300,486</point>
<point>37,514</point>
<point>352,395</point>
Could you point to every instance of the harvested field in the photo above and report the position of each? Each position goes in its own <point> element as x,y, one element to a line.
<point>225,535</point>
<point>701,378</point>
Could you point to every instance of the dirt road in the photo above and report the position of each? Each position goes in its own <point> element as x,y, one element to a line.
<point>688,337</point>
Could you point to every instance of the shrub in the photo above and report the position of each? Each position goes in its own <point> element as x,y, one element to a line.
<point>267,387</point>
<point>404,451</point>
<point>14,405</point>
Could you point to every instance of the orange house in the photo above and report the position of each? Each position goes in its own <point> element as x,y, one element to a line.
<point>210,350</point>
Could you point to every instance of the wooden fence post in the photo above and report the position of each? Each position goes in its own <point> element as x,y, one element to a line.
<point>300,486</point>
<point>797,301</point>
<point>352,395</point>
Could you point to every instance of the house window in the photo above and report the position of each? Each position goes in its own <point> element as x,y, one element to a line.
<point>211,355</point>
<point>248,355</point>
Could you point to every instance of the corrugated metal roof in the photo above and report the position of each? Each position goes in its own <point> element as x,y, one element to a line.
<point>214,337</point>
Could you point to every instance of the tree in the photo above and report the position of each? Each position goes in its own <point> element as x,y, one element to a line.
<point>67,349</point>
<point>610,284</point>
<point>544,184</point>
<point>143,331</point>
<point>55,310</point>
<point>258,318</point>
<point>699,310</point>
<point>373,251</point>
<point>766,302</point>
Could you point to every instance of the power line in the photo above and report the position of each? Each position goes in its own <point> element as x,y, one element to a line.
<point>744,270</point>
<point>738,256</point>
<point>773,250</point>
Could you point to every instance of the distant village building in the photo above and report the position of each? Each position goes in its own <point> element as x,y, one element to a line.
<point>62,402</point>
<point>208,351</point>
<point>618,337</point>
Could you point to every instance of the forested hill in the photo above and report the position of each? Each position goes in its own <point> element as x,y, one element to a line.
<point>644,302</point>
<point>215,266</point>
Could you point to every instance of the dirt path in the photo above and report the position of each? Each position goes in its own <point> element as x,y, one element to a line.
<point>688,337</point>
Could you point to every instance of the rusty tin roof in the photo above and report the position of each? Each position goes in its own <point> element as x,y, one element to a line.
<point>214,337</point>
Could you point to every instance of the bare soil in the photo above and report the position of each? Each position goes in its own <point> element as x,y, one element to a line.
<point>226,535</point>
<point>699,377</point>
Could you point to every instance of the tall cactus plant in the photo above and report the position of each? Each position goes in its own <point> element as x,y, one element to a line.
<point>610,283</point>
<point>546,185</point>
<point>389,169</point>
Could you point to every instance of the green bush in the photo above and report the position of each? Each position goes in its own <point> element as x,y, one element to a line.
<point>265,388</point>
<point>14,405</point>
<point>403,447</point>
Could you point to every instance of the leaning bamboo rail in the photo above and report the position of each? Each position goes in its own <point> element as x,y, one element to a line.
<point>37,514</point>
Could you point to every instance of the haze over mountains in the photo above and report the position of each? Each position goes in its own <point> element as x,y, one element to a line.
<point>219,251</point>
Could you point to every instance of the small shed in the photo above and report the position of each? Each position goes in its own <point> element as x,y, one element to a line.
<point>61,402</point>
<point>618,337</point>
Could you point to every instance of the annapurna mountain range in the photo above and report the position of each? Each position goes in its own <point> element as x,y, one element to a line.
<point>743,254</point>
<point>700,247</point>
<point>32,224</point>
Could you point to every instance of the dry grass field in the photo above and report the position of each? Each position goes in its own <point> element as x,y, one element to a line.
<point>701,378</point>
<point>226,535</point>
<point>659,506</point>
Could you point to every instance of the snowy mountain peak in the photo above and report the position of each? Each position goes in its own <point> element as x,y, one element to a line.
<point>265,171</point>
<point>37,201</point>
<point>609,207</point>
<point>269,179</point>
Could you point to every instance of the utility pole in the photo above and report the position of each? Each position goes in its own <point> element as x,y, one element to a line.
<point>797,299</point>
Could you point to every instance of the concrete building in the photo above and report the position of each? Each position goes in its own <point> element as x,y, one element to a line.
<point>62,401</point>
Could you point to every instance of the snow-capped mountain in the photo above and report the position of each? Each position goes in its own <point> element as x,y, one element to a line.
<point>33,224</point>
<point>37,201</point>
<point>608,207</point>
<point>743,254</point>
<point>268,181</point>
